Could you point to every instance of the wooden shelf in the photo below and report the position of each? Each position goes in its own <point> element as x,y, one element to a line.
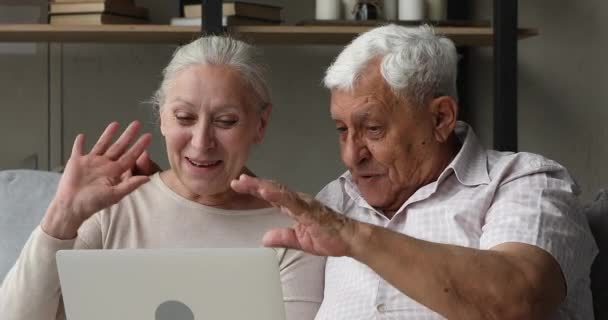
<point>280,34</point>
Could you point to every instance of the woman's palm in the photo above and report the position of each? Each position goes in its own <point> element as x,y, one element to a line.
<point>99,179</point>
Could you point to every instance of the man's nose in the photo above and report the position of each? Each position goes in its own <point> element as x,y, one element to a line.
<point>354,151</point>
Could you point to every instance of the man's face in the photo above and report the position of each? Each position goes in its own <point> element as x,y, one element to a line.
<point>386,143</point>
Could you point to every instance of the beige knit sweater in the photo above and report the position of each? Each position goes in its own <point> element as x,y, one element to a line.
<point>154,216</point>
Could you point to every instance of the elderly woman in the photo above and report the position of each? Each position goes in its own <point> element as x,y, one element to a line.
<point>214,106</point>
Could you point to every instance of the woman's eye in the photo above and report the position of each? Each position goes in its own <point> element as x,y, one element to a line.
<point>226,123</point>
<point>184,117</point>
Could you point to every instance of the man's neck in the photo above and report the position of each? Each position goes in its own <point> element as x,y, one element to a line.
<point>445,156</point>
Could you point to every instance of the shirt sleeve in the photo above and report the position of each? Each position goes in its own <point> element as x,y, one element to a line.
<point>302,279</point>
<point>542,209</point>
<point>30,290</point>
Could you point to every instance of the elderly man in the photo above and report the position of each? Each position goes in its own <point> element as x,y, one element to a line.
<point>425,223</point>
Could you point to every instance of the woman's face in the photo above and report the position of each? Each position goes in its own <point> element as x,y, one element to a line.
<point>210,119</point>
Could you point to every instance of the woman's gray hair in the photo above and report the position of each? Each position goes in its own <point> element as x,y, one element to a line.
<point>416,63</point>
<point>216,50</point>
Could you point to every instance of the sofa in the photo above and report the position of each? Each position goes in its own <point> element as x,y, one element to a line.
<point>25,195</point>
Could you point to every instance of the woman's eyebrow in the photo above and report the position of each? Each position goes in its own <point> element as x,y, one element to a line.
<point>182,101</point>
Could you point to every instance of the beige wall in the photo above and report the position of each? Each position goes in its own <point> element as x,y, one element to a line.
<point>563,86</point>
<point>106,82</point>
<point>562,90</point>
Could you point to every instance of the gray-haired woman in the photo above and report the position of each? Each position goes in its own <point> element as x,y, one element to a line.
<point>213,106</point>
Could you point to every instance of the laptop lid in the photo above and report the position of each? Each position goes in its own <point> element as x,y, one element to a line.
<point>176,284</point>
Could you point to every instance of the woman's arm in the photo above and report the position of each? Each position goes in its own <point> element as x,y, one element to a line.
<point>302,278</point>
<point>91,182</point>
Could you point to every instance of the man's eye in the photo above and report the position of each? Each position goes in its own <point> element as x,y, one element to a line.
<point>341,129</point>
<point>374,130</point>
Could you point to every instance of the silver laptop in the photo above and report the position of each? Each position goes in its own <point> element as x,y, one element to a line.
<point>176,284</point>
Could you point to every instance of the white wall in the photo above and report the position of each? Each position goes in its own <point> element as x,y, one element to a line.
<point>563,86</point>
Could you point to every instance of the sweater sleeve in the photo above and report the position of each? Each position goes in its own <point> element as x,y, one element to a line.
<point>30,290</point>
<point>302,277</point>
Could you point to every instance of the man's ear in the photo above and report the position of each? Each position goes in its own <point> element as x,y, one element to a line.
<point>445,113</point>
<point>263,123</point>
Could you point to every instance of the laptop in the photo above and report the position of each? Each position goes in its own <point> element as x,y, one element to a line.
<point>176,284</point>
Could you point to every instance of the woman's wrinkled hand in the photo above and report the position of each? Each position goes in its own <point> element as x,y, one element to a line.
<point>94,181</point>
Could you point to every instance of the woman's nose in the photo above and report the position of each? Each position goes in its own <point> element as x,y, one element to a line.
<point>203,137</point>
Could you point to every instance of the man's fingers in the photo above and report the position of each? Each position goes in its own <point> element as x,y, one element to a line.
<point>117,149</point>
<point>78,146</point>
<point>127,160</point>
<point>264,189</point>
<point>247,184</point>
<point>270,191</point>
<point>281,237</point>
<point>105,140</point>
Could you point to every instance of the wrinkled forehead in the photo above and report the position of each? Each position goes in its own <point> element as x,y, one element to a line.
<point>211,83</point>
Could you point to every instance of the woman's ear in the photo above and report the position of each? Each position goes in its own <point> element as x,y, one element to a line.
<point>263,123</point>
<point>445,112</point>
<point>161,121</point>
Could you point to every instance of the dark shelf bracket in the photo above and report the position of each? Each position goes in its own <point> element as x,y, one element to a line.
<point>505,75</point>
<point>211,23</point>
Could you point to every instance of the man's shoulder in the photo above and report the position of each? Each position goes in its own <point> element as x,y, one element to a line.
<point>509,165</point>
<point>334,194</point>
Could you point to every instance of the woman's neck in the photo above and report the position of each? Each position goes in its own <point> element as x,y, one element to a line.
<point>228,199</point>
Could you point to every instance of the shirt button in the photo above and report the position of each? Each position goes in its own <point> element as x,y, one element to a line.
<point>381,307</point>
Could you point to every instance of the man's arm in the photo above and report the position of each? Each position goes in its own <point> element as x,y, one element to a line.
<point>509,281</point>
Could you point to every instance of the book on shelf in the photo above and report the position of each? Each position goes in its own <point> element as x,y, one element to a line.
<point>126,2</point>
<point>374,23</point>
<point>239,8</point>
<point>121,8</point>
<point>226,21</point>
<point>94,19</point>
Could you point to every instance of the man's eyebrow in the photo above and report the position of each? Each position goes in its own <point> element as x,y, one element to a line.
<point>362,115</point>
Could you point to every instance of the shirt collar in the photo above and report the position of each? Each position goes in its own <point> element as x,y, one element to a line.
<point>471,163</point>
<point>470,166</point>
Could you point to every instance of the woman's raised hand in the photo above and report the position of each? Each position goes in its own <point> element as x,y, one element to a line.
<point>94,181</point>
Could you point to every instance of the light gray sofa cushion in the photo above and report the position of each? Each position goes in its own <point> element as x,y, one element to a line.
<point>24,197</point>
<point>597,215</point>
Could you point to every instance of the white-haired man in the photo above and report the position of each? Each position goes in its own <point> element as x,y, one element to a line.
<point>426,223</point>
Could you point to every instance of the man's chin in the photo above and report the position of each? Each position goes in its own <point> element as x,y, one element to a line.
<point>374,198</point>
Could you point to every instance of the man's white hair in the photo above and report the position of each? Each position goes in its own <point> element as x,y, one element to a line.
<point>216,50</point>
<point>416,63</point>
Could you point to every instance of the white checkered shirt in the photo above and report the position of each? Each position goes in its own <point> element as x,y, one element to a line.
<point>482,199</point>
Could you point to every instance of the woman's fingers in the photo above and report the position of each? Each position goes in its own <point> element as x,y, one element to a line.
<point>105,140</point>
<point>145,166</point>
<point>78,146</point>
<point>127,160</point>
<point>129,185</point>
<point>119,147</point>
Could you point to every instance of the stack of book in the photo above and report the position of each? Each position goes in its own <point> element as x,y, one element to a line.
<point>234,13</point>
<point>96,12</point>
